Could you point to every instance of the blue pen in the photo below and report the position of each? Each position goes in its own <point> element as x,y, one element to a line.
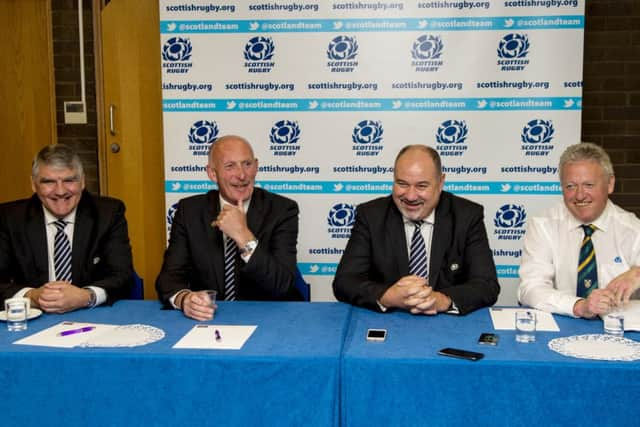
<point>218,336</point>
<point>76,331</point>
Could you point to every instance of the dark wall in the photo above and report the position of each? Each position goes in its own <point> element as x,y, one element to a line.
<point>611,104</point>
<point>66,59</point>
<point>611,98</point>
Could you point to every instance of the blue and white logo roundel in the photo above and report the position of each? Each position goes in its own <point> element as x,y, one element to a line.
<point>367,138</point>
<point>177,49</point>
<point>509,221</point>
<point>341,218</point>
<point>513,46</point>
<point>368,132</point>
<point>452,132</point>
<point>259,49</point>
<point>203,132</point>
<point>342,215</point>
<point>538,131</point>
<point>284,137</point>
<point>537,138</point>
<point>510,216</point>
<point>427,47</point>
<point>285,132</point>
<point>342,48</point>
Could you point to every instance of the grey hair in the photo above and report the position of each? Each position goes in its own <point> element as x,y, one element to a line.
<point>59,156</point>
<point>586,151</point>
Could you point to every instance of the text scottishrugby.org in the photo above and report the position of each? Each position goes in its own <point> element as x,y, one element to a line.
<point>206,8</point>
<point>453,5</point>
<point>288,7</point>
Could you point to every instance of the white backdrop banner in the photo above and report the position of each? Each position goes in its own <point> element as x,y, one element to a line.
<point>327,92</point>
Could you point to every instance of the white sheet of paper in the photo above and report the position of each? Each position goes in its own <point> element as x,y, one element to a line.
<point>505,319</point>
<point>232,337</point>
<point>632,316</point>
<point>49,337</point>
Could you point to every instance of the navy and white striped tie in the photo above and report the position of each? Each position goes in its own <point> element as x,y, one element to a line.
<point>418,253</point>
<point>230,254</point>
<point>62,252</point>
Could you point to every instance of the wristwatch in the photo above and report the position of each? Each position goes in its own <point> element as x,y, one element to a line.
<point>92,298</point>
<point>249,247</point>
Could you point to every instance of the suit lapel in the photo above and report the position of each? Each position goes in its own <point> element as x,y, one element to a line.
<point>398,239</point>
<point>36,231</point>
<point>82,236</point>
<point>442,238</point>
<point>215,241</point>
<point>255,214</point>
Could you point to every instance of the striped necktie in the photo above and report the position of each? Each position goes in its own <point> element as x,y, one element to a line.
<point>230,254</point>
<point>587,269</point>
<point>418,253</point>
<point>62,252</point>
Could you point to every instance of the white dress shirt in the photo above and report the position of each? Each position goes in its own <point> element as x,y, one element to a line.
<point>549,269</point>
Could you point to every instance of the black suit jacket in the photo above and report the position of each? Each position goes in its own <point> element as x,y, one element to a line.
<point>460,263</point>
<point>101,253</point>
<point>195,257</point>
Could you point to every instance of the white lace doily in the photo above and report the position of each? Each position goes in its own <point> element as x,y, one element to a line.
<point>597,347</point>
<point>126,336</point>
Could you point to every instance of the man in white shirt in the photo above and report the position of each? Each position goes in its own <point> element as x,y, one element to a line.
<point>549,271</point>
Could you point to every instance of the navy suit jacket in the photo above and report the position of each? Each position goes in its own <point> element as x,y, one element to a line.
<point>101,253</point>
<point>195,257</point>
<point>460,263</point>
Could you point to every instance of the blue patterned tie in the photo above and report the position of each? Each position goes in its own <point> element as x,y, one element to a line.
<point>587,269</point>
<point>62,252</point>
<point>418,253</point>
<point>230,253</point>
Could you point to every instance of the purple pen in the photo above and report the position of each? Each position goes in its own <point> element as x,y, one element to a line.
<point>218,336</point>
<point>76,331</point>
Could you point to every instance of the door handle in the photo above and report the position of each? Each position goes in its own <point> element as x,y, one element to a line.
<point>112,119</point>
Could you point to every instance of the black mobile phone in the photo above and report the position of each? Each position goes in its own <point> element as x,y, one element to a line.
<point>488,339</point>
<point>376,334</point>
<point>461,354</point>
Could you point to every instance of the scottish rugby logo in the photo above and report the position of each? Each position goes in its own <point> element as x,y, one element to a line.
<point>176,54</point>
<point>367,138</point>
<point>258,54</point>
<point>509,222</point>
<point>512,52</point>
<point>537,137</point>
<point>451,137</point>
<point>426,52</point>
<point>342,52</point>
<point>341,218</point>
<point>284,137</point>
<point>201,134</point>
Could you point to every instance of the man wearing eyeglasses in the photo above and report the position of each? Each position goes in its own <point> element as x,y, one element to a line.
<point>64,248</point>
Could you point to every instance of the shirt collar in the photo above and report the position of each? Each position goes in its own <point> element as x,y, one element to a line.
<point>601,223</point>
<point>431,219</point>
<point>50,218</point>
<point>245,204</point>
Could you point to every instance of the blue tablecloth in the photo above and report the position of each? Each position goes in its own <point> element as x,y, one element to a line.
<point>403,382</point>
<point>286,374</point>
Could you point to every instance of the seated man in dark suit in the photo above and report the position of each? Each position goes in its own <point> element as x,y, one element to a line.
<point>238,240</point>
<point>64,248</point>
<point>421,249</point>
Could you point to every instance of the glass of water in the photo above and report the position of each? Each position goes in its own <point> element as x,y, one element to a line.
<point>614,322</point>
<point>17,311</point>
<point>525,326</point>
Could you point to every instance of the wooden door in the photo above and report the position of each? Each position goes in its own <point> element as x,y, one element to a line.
<point>131,148</point>
<point>27,116</point>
